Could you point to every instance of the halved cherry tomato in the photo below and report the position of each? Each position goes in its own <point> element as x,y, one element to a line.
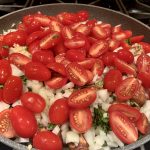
<point>87,63</point>
<point>132,113</point>
<point>34,47</point>
<point>6,128</point>
<point>77,74</point>
<point>67,32</point>
<point>112,79</point>
<point>16,37</point>
<point>56,82</point>
<point>57,67</point>
<point>37,71</point>
<point>43,56</point>
<point>98,67</point>
<point>145,78</point>
<point>108,58</point>
<point>1,94</point>
<point>50,40</point>
<point>4,51</point>
<point>59,48</point>
<point>82,98</point>
<point>90,75</point>
<point>59,111</point>
<point>81,119</point>
<point>84,29</point>
<point>127,89</point>
<point>59,58</point>
<point>23,121</point>
<point>5,70</point>
<point>19,60</point>
<point>82,15</point>
<point>55,26</point>
<point>116,29</point>
<point>47,140</point>
<point>125,55</point>
<point>145,46</point>
<point>12,89</point>
<point>136,39</point>
<point>123,127</point>
<point>143,63</point>
<point>75,42</point>
<point>75,55</point>
<point>124,67</point>
<point>91,23</point>
<point>143,124</point>
<point>98,48</point>
<point>113,44</point>
<point>125,45</point>
<point>33,102</point>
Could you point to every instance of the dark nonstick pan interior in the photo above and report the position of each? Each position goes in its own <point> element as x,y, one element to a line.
<point>99,13</point>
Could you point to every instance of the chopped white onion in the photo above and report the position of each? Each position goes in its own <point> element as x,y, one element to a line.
<point>56,130</point>
<point>72,137</point>
<point>3,106</point>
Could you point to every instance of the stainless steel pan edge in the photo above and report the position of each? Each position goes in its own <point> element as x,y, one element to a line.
<point>103,14</point>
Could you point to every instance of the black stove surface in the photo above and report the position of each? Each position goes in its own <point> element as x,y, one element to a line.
<point>139,9</point>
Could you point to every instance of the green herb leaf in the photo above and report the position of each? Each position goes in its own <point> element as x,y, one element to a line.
<point>128,41</point>
<point>99,84</point>
<point>133,104</point>
<point>50,126</point>
<point>101,121</point>
<point>24,79</point>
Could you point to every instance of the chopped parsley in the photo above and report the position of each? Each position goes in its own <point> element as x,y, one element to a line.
<point>51,126</point>
<point>24,79</point>
<point>29,89</point>
<point>100,121</point>
<point>99,84</point>
<point>128,41</point>
<point>133,104</point>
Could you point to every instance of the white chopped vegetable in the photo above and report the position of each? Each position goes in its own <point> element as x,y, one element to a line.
<point>106,69</point>
<point>103,94</point>
<point>16,71</point>
<point>72,137</point>
<point>89,136</point>
<point>65,127</point>
<point>67,93</point>
<point>105,106</point>
<point>16,103</point>
<point>99,141</point>
<point>44,118</point>
<point>3,106</point>
<point>69,85</point>
<point>23,140</point>
<point>56,130</point>
<point>117,49</point>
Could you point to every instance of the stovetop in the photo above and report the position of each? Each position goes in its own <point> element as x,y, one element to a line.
<point>139,9</point>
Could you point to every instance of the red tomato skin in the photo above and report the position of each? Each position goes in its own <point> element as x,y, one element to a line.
<point>33,102</point>
<point>37,71</point>
<point>98,67</point>
<point>84,29</point>
<point>4,52</point>
<point>145,78</point>
<point>98,48</point>
<point>136,39</point>
<point>112,79</point>
<point>82,15</point>
<point>5,70</point>
<point>59,48</point>
<point>67,33</point>
<point>132,113</point>
<point>1,94</point>
<point>121,131</point>
<point>34,47</point>
<point>126,56</point>
<point>56,82</point>
<point>84,119</point>
<point>113,44</point>
<point>47,140</point>
<point>12,89</point>
<point>19,60</point>
<point>43,56</point>
<point>82,98</point>
<point>127,88</point>
<point>59,111</point>
<point>146,47</point>
<point>16,37</point>
<point>23,121</point>
<point>77,74</point>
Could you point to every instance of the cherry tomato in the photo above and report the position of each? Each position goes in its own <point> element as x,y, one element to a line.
<point>98,67</point>
<point>108,58</point>
<point>98,48</point>
<point>113,44</point>
<point>19,60</point>
<point>67,33</point>
<point>75,55</point>
<point>77,74</point>
<point>132,113</point>
<point>57,67</point>
<point>91,23</point>
<point>23,121</point>
<point>6,128</point>
<point>12,89</point>
<point>145,46</point>
<point>34,47</point>
<point>112,79</point>
<point>33,102</point>
<point>56,82</point>
<point>1,94</point>
<point>84,29</point>
<point>127,89</point>
<point>145,78</point>
<point>75,42</point>
<point>143,63</point>
<point>4,51</point>
<point>136,39</point>
<point>125,45</point>
<point>46,140</point>
<point>50,40</point>
<point>55,26</point>
<point>5,70</point>
<point>37,71</point>
<point>126,56</point>
<point>124,67</point>
<point>59,48</point>
<point>82,15</point>
<point>82,98</point>
<point>16,37</point>
<point>59,111</point>
<point>43,56</point>
<point>143,124</point>
<point>123,127</point>
<point>116,29</point>
<point>90,75</point>
<point>81,120</point>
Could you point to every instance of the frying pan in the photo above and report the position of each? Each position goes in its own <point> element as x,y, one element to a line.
<point>103,14</point>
